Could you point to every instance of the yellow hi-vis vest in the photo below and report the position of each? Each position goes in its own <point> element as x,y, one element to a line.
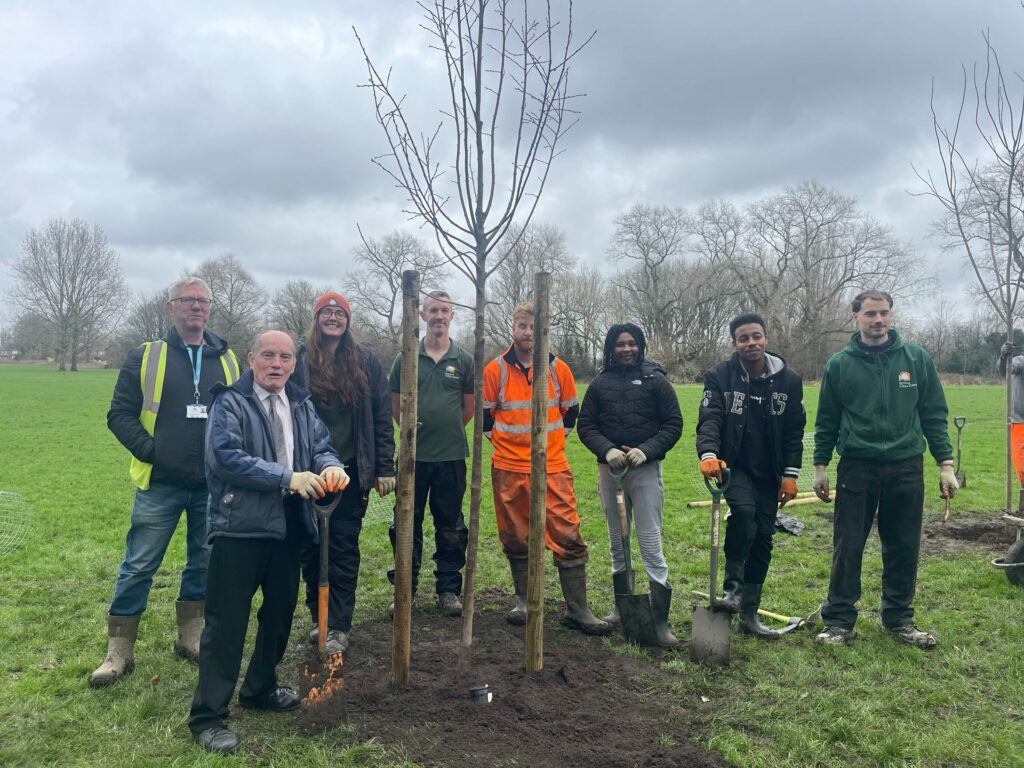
<point>151,378</point>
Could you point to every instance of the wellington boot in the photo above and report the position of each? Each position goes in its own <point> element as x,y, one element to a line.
<point>620,586</point>
<point>749,622</point>
<point>120,661</point>
<point>661,601</point>
<point>520,567</point>
<point>190,628</point>
<point>577,611</point>
<point>733,586</point>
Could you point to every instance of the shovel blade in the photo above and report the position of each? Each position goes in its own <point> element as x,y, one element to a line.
<point>711,641</point>
<point>636,618</point>
<point>961,479</point>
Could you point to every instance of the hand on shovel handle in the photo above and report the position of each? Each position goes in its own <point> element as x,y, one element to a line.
<point>335,479</point>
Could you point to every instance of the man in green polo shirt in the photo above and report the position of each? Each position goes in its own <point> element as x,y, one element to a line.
<point>446,405</point>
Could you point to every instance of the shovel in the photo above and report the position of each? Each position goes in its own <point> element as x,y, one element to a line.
<point>712,627</point>
<point>634,610</point>
<point>959,422</point>
<point>323,517</point>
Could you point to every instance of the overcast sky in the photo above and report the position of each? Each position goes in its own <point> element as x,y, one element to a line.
<point>190,129</point>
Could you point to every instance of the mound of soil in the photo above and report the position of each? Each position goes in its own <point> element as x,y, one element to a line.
<point>589,706</point>
<point>973,534</point>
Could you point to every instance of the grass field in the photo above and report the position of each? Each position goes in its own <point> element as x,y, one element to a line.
<point>792,703</point>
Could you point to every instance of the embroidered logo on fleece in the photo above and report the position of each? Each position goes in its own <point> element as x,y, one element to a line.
<point>905,380</point>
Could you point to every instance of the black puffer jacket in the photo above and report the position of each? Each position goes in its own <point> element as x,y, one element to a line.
<point>635,406</point>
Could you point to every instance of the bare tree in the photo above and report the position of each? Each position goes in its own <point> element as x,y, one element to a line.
<point>982,200</point>
<point>508,108</point>
<point>580,317</point>
<point>376,286</point>
<point>291,306</point>
<point>238,300</point>
<point>32,337</point>
<point>69,276</point>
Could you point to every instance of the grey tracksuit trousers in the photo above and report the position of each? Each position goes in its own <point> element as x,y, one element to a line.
<point>645,497</point>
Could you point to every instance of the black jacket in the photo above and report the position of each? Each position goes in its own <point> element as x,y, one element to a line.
<point>249,496</point>
<point>176,448</point>
<point>634,406</point>
<point>375,436</point>
<point>723,414</point>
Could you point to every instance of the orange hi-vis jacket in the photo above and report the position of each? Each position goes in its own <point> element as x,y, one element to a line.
<point>508,405</point>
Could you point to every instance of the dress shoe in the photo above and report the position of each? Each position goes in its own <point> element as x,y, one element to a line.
<point>280,699</point>
<point>218,739</point>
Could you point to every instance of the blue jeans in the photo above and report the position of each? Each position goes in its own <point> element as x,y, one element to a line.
<point>155,515</point>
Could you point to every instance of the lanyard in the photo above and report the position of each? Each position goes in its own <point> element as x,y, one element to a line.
<point>197,368</point>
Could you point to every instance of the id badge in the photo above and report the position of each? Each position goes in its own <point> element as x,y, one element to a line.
<point>195,411</point>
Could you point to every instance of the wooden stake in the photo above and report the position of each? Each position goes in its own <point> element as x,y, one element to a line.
<point>538,475</point>
<point>408,414</point>
<point>707,502</point>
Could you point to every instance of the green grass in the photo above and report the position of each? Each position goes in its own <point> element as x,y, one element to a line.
<point>785,704</point>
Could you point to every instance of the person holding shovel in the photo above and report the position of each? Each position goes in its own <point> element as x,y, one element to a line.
<point>880,400</point>
<point>349,390</point>
<point>507,392</point>
<point>752,421</point>
<point>630,419</point>
<point>267,456</point>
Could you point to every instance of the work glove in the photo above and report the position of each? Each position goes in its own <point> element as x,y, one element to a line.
<point>616,460</point>
<point>1006,350</point>
<point>787,491</point>
<point>308,485</point>
<point>948,486</point>
<point>635,457</point>
<point>385,485</point>
<point>820,486</point>
<point>712,467</point>
<point>335,479</point>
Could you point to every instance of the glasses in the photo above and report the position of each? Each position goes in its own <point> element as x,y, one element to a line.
<point>337,314</point>
<point>193,300</point>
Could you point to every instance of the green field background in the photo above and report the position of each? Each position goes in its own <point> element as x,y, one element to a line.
<point>791,703</point>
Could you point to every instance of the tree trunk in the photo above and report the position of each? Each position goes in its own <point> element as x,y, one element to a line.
<point>1010,475</point>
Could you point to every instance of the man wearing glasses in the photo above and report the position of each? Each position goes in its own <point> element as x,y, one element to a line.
<point>158,412</point>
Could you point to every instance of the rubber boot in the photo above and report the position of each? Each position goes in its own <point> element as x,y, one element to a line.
<point>661,601</point>
<point>749,623</point>
<point>120,661</point>
<point>520,567</point>
<point>620,587</point>
<point>733,587</point>
<point>190,628</point>
<point>577,613</point>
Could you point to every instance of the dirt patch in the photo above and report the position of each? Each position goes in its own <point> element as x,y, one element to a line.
<point>974,534</point>
<point>588,707</point>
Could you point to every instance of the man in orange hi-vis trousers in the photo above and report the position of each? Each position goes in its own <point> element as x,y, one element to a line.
<point>1006,354</point>
<point>508,383</point>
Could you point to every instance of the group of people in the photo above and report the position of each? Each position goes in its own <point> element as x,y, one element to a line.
<point>247,455</point>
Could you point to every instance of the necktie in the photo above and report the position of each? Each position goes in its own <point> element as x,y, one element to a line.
<point>277,429</point>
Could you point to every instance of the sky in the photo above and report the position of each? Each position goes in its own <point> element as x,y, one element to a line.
<point>190,129</point>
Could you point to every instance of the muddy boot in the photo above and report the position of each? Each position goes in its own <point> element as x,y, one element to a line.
<point>577,611</point>
<point>733,586</point>
<point>749,623</point>
<point>120,660</point>
<point>520,568</point>
<point>620,586</point>
<point>661,601</point>
<point>190,628</point>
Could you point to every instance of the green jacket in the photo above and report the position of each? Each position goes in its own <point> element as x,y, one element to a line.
<point>881,406</point>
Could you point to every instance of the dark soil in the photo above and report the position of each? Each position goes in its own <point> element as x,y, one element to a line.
<point>969,534</point>
<point>588,706</point>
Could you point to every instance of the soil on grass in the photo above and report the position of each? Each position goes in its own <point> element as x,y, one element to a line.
<point>968,534</point>
<point>589,706</point>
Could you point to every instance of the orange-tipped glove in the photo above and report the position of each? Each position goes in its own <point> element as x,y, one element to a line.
<point>335,479</point>
<point>712,467</point>
<point>307,485</point>
<point>787,491</point>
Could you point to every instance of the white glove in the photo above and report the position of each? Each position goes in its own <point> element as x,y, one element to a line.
<point>820,486</point>
<point>385,485</point>
<point>616,460</point>
<point>948,486</point>
<point>636,457</point>
<point>308,485</point>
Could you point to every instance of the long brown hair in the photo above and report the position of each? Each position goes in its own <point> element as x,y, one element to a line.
<point>341,373</point>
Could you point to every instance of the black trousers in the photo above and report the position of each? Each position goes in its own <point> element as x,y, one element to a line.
<point>238,567</point>
<point>753,507</point>
<point>444,483</point>
<point>896,492</point>
<point>342,554</point>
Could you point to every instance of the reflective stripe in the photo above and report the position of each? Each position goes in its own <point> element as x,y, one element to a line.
<point>502,380</point>
<point>489,405</point>
<point>149,375</point>
<point>523,429</point>
<point>568,403</point>
<point>554,378</point>
<point>230,364</point>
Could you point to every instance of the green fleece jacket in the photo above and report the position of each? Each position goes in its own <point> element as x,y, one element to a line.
<point>881,406</point>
